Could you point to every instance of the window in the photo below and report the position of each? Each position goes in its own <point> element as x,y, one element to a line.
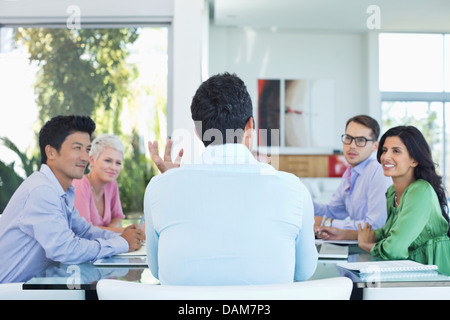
<point>411,62</point>
<point>118,76</point>
<point>427,116</point>
<point>415,89</point>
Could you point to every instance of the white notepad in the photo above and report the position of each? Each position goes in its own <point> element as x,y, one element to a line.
<point>386,266</point>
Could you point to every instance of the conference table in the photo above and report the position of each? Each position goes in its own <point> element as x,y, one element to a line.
<point>416,286</point>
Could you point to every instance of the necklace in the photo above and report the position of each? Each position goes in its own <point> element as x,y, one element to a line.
<point>396,200</point>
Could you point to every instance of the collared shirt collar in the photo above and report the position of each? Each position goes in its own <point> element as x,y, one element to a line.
<point>45,169</point>
<point>361,166</point>
<point>351,173</point>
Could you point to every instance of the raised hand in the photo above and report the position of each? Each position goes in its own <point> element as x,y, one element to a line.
<point>166,163</point>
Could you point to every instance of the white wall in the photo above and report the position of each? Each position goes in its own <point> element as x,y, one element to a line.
<point>254,54</point>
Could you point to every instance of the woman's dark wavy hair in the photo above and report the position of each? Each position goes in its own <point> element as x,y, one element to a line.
<point>419,150</point>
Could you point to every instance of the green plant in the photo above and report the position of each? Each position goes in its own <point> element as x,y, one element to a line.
<point>9,178</point>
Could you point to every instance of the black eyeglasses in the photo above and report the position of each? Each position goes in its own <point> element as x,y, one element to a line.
<point>359,141</point>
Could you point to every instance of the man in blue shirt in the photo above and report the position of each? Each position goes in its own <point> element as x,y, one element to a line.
<point>227,219</point>
<point>360,197</point>
<point>40,224</point>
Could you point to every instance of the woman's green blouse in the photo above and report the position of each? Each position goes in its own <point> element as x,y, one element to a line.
<point>416,229</point>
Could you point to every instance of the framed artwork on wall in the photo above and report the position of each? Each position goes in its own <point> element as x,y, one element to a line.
<point>296,115</point>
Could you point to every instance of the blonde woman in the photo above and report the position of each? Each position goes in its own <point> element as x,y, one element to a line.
<point>97,193</point>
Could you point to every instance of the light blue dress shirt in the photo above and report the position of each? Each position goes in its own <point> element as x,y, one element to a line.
<point>361,200</point>
<point>40,225</point>
<point>228,219</point>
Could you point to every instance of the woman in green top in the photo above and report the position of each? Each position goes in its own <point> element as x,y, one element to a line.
<point>417,225</point>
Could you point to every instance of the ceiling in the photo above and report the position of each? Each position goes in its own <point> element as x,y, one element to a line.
<point>333,15</point>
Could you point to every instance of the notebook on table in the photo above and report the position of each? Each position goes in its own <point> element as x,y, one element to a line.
<point>386,266</point>
<point>133,258</point>
<point>122,261</point>
<point>331,251</point>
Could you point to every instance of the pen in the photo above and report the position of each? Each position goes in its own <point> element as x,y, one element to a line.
<point>140,222</point>
<point>323,222</point>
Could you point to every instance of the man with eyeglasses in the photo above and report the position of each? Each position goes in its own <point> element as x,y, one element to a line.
<point>360,197</point>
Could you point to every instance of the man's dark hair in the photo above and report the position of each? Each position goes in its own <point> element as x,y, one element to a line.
<point>221,108</point>
<point>56,130</point>
<point>367,122</point>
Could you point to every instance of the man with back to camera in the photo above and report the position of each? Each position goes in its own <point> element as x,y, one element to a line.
<point>360,197</point>
<point>40,224</point>
<point>227,219</point>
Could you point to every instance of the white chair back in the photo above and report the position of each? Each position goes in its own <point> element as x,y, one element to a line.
<point>338,288</point>
<point>14,291</point>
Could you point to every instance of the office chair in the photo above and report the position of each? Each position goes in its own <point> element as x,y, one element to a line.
<point>14,291</point>
<point>338,288</point>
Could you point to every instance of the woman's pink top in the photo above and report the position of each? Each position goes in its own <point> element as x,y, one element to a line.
<point>85,204</point>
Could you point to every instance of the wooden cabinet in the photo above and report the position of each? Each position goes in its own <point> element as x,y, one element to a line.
<point>310,165</point>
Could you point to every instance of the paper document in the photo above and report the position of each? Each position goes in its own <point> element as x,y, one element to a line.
<point>142,251</point>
